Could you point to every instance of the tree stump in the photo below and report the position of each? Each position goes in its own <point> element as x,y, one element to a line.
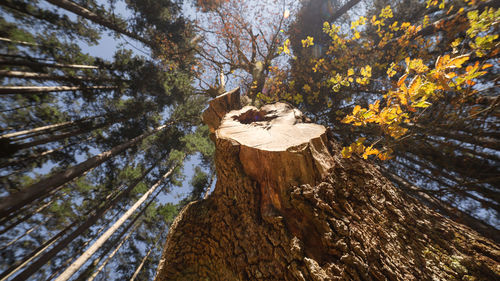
<point>287,206</point>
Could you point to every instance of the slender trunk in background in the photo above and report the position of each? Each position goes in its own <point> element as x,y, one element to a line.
<point>27,195</point>
<point>28,214</point>
<point>53,138</point>
<point>113,253</point>
<point>47,128</point>
<point>347,6</point>
<point>52,77</point>
<point>44,64</point>
<point>18,42</point>
<point>33,228</point>
<point>12,162</point>
<point>447,210</point>
<point>85,13</point>
<point>17,108</point>
<point>488,156</point>
<point>85,225</point>
<point>80,249</point>
<point>144,259</point>
<point>454,187</point>
<point>21,263</point>
<point>13,90</point>
<point>85,256</point>
<point>109,245</point>
<point>47,256</point>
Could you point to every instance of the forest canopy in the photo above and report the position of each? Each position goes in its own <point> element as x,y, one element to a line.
<point>98,154</point>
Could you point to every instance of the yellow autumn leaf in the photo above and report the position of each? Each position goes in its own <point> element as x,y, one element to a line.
<point>350,72</point>
<point>457,62</point>
<point>402,80</point>
<point>414,85</point>
<point>356,109</point>
<point>346,152</point>
<point>309,41</point>
<point>370,151</point>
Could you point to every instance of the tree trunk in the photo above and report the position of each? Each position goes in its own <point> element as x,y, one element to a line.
<point>45,64</point>
<point>21,263</point>
<point>79,250</point>
<point>287,206</point>
<point>37,190</point>
<point>110,201</point>
<point>87,14</point>
<point>145,258</point>
<point>48,128</point>
<point>113,253</point>
<point>443,208</point>
<point>97,244</point>
<point>53,77</point>
<point>84,128</point>
<point>11,90</point>
<point>18,42</point>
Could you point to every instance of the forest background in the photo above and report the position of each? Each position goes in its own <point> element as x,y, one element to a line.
<point>411,85</point>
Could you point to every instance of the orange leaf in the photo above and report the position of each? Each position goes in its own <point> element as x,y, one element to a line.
<point>457,62</point>
<point>356,109</point>
<point>414,85</point>
<point>402,79</point>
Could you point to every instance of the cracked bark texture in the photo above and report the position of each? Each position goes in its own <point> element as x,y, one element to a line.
<point>340,220</point>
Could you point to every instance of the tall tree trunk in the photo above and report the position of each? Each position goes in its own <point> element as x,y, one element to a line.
<point>85,225</point>
<point>37,65</point>
<point>18,42</point>
<point>287,206</point>
<point>79,250</point>
<point>85,128</point>
<point>113,253</point>
<point>443,208</point>
<point>87,14</point>
<point>97,244</point>
<point>27,214</point>
<point>12,90</point>
<point>33,228</point>
<point>37,190</point>
<point>21,263</point>
<point>346,7</point>
<point>109,245</point>
<point>52,77</point>
<point>13,162</point>
<point>47,128</point>
<point>145,258</point>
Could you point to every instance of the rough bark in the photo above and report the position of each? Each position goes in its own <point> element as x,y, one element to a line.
<point>272,217</point>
